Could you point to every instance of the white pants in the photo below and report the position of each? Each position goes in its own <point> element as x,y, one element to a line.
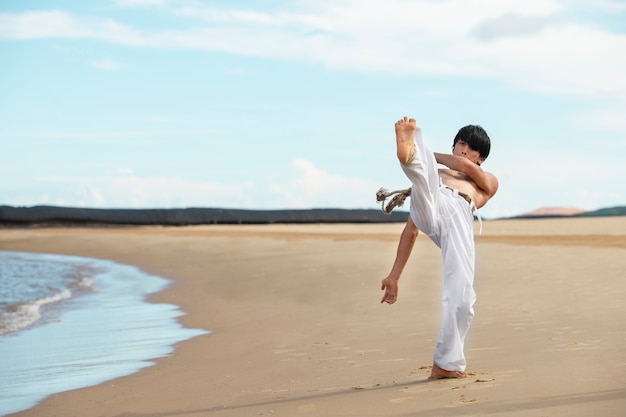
<point>448,220</point>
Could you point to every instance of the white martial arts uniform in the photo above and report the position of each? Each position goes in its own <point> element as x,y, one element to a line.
<point>447,219</point>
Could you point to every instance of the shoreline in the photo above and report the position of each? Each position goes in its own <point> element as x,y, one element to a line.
<point>96,331</point>
<point>297,328</point>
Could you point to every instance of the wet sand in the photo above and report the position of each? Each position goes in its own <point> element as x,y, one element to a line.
<point>297,327</point>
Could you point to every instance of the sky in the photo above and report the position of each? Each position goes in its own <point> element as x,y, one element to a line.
<point>278,104</point>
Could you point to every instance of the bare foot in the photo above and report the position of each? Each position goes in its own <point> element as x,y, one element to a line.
<point>405,131</point>
<point>440,373</point>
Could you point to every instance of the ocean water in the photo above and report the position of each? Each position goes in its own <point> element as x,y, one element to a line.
<point>71,322</point>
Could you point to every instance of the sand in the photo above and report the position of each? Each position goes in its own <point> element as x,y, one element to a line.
<point>297,327</point>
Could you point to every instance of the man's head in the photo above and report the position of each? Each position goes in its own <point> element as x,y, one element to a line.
<point>472,142</point>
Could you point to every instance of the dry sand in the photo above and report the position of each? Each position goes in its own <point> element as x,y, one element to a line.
<point>297,327</point>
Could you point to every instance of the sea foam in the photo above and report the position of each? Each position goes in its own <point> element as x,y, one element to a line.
<point>96,326</point>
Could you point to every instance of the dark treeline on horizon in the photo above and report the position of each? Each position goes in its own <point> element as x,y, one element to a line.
<point>53,215</point>
<point>58,216</point>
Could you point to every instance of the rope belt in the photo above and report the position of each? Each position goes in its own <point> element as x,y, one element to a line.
<point>398,197</point>
<point>396,201</point>
<point>465,196</point>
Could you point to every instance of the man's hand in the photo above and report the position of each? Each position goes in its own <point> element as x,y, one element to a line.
<point>390,286</point>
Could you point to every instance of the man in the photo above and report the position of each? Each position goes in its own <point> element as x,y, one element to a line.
<point>442,205</point>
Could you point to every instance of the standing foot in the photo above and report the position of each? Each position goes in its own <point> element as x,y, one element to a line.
<point>440,373</point>
<point>405,142</point>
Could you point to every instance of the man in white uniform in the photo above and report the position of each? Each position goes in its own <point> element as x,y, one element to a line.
<point>442,205</point>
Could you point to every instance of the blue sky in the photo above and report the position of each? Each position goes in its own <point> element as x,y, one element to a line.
<point>291,104</point>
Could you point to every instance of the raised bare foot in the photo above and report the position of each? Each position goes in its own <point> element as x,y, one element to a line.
<point>405,131</point>
<point>440,373</point>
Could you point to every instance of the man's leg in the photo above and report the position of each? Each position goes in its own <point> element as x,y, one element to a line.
<point>420,167</point>
<point>458,294</point>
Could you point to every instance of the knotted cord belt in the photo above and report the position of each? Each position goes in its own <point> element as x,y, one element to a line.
<point>396,201</point>
<point>463,195</point>
<point>400,195</point>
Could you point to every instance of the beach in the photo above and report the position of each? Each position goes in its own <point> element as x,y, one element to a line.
<point>297,328</point>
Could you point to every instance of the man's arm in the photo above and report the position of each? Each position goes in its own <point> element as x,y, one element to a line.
<point>483,179</point>
<point>405,246</point>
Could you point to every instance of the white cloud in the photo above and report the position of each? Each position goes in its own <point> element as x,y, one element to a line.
<point>606,119</point>
<point>33,25</point>
<point>534,44</point>
<point>59,24</point>
<point>307,187</point>
<point>311,187</point>
<point>138,3</point>
<point>605,6</point>
<point>512,25</point>
<point>534,177</point>
<point>123,189</point>
<point>107,64</point>
<point>112,136</point>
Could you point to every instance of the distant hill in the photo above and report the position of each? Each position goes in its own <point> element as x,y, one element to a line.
<point>553,211</point>
<point>59,216</point>
<point>546,212</point>
<point>610,211</point>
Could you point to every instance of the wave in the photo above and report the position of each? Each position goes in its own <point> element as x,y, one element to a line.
<point>20,316</point>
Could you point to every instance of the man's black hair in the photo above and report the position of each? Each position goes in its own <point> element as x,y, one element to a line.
<point>477,139</point>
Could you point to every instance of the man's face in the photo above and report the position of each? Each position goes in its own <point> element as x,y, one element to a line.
<point>461,148</point>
